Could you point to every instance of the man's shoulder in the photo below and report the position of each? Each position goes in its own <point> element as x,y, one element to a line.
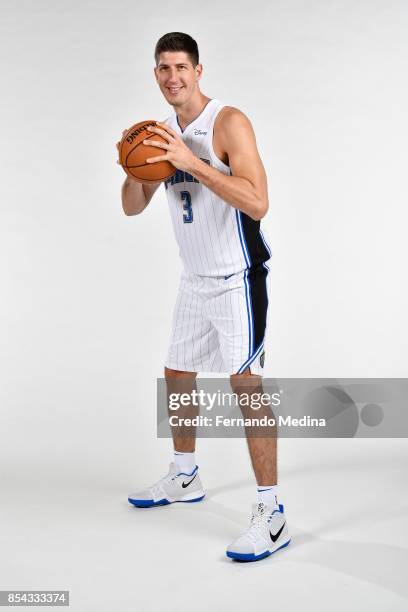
<point>229,113</point>
<point>230,117</point>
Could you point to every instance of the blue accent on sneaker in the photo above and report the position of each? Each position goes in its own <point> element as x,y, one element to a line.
<point>279,509</point>
<point>185,474</point>
<point>253,556</point>
<point>148,503</point>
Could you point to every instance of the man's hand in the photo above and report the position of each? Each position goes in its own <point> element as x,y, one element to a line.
<point>135,195</point>
<point>118,145</point>
<point>177,152</point>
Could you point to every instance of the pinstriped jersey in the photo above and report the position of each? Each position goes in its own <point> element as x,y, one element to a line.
<point>214,238</point>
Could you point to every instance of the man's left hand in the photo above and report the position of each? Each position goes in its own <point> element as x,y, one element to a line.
<point>177,152</point>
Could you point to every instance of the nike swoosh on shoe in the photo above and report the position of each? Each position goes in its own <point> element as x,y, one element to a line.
<point>277,534</point>
<point>184,484</point>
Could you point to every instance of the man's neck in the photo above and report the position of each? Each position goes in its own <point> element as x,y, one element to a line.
<point>187,113</point>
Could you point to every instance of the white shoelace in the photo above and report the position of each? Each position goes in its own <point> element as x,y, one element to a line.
<point>259,523</point>
<point>257,528</point>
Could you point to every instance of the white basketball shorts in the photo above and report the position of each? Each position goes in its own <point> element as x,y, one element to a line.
<point>219,323</point>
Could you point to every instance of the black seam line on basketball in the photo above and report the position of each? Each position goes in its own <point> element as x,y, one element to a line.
<point>184,485</point>
<point>138,144</point>
<point>276,536</point>
<point>139,166</point>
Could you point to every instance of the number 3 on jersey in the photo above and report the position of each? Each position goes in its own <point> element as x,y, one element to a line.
<point>188,215</point>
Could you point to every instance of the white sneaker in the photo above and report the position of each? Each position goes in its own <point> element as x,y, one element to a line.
<point>175,487</point>
<point>267,534</point>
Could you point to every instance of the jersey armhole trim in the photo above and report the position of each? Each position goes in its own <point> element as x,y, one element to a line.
<point>211,147</point>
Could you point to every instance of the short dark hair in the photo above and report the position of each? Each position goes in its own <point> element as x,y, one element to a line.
<point>177,41</point>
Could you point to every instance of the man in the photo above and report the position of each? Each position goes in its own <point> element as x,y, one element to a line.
<point>216,199</point>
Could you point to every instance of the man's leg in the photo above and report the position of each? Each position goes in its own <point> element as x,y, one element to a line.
<point>268,531</point>
<point>177,383</point>
<point>262,443</point>
<point>182,483</point>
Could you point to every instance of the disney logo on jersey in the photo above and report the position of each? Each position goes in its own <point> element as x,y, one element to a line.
<point>199,132</point>
<point>130,137</point>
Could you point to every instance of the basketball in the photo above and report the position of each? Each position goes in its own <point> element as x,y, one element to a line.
<point>133,154</point>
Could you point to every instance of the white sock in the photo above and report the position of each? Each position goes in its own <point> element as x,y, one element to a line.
<point>268,494</point>
<point>185,462</point>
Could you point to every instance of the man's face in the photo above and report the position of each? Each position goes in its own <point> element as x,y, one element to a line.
<point>177,77</point>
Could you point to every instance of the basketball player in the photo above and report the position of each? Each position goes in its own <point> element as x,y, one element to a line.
<point>216,199</point>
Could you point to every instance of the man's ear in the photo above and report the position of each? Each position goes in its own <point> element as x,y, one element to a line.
<point>198,71</point>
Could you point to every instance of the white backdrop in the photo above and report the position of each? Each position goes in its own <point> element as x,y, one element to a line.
<point>87,293</point>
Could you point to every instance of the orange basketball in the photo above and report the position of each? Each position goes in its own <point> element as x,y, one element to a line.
<point>133,154</point>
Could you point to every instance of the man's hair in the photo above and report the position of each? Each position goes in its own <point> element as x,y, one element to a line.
<point>177,41</point>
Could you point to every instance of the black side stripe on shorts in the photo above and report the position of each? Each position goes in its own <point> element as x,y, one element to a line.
<point>258,254</point>
<point>257,250</point>
<point>259,299</point>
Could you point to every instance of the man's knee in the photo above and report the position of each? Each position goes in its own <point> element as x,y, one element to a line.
<point>244,382</point>
<point>177,374</point>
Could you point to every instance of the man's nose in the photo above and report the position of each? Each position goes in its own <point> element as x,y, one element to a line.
<point>173,78</point>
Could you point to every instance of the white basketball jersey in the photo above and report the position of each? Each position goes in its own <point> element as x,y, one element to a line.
<point>214,238</point>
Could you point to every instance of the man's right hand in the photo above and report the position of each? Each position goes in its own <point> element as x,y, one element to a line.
<point>135,196</point>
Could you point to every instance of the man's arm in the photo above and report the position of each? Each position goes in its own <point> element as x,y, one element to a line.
<point>247,188</point>
<point>136,196</point>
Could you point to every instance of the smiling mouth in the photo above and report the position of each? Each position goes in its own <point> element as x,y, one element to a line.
<point>174,90</point>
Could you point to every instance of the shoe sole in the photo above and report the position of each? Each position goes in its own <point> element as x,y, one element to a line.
<point>252,556</point>
<point>149,503</point>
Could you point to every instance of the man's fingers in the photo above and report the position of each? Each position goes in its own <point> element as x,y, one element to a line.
<point>152,160</point>
<point>168,129</point>
<point>163,133</point>
<point>156,143</point>
<point>118,143</point>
